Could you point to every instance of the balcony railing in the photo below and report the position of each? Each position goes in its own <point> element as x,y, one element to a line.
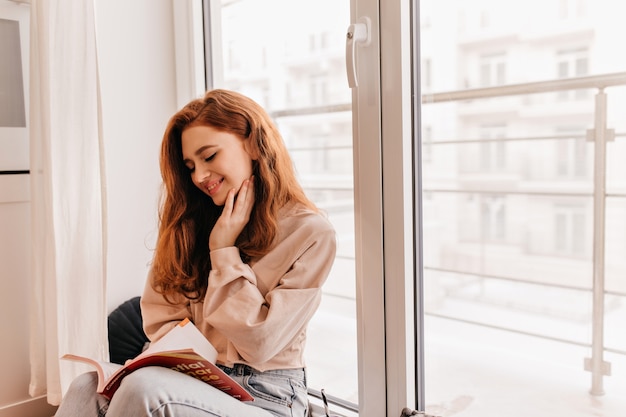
<point>600,134</point>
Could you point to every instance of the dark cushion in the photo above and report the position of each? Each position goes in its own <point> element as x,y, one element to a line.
<point>126,336</point>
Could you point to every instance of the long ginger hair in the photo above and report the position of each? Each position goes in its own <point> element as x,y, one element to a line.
<point>182,263</point>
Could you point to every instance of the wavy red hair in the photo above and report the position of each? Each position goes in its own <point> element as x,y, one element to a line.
<point>182,263</point>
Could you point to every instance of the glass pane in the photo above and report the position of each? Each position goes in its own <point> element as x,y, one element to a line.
<point>512,251</point>
<point>289,56</point>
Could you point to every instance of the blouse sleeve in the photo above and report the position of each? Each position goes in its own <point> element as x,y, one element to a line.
<point>158,315</point>
<point>260,322</point>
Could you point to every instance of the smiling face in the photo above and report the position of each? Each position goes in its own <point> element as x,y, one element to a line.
<point>217,160</point>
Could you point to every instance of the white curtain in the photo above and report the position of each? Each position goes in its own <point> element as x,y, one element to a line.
<point>68,311</point>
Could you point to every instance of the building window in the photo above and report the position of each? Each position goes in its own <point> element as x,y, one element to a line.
<point>427,142</point>
<point>492,70</point>
<point>233,57</point>
<point>572,63</point>
<point>427,74</point>
<point>493,218</point>
<point>484,19</point>
<point>569,230</point>
<point>571,9</point>
<point>492,154</point>
<point>571,154</point>
<point>318,90</point>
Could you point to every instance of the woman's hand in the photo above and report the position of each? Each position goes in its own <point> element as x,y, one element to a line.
<point>234,217</point>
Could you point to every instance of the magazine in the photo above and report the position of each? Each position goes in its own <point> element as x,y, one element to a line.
<point>183,349</point>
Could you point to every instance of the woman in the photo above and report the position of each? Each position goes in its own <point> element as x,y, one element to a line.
<point>232,211</point>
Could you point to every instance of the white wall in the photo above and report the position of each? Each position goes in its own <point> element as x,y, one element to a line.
<point>138,84</point>
<point>14,320</point>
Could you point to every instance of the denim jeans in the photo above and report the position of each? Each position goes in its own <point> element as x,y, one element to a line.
<point>155,391</point>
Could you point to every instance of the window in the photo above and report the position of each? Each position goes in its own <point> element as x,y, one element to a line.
<point>292,67</point>
<point>571,9</point>
<point>484,19</point>
<point>492,148</point>
<point>573,63</point>
<point>493,218</point>
<point>427,139</point>
<point>514,240</point>
<point>492,70</point>
<point>427,74</point>
<point>318,93</point>
<point>569,230</point>
<point>573,154</point>
<point>506,224</point>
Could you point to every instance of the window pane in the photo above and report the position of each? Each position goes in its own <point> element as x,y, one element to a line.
<point>288,55</point>
<point>510,243</point>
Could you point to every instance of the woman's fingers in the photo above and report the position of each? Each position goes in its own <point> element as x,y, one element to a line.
<point>245,201</point>
<point>234,217</point>
<point>230,201</point>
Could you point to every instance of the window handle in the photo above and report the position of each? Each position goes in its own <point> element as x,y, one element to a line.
<point>358,33</point>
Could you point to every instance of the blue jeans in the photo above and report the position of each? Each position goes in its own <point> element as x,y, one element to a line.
<point>155,391</point>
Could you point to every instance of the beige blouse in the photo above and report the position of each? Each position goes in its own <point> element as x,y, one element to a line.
<point>257,313</point>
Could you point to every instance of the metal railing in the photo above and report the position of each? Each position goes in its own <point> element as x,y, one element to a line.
<point>600,134</point>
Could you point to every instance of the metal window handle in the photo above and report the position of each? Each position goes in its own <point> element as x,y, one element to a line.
<point>357,33</point>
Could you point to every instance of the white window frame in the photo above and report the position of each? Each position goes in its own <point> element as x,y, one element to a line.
<point>190,50</point>
<point>385,209</point>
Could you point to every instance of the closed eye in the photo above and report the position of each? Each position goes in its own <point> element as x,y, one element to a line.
<point>210,158</point>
